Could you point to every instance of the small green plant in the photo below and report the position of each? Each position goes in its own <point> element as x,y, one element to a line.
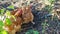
<point>32,32</point>
<point>51,1</point>
<point>1,23</point>
<point>11,7</point>
<point>44,25</point>
<point>2,11</point>
<point>8,12</point>
<point>8,21</point>
<point>48,8</point>
<point>2,31</point>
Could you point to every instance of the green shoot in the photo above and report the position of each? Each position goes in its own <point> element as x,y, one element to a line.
<point>8,21</point>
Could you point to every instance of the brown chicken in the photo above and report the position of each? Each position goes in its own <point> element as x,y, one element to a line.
<point>27,15</point>
<point>22,15</point>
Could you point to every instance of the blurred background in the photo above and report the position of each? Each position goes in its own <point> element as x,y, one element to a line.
<point>46,15</point>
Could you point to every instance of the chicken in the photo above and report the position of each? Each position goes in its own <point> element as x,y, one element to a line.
<point>22,15</point>
<point>27,15</point>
